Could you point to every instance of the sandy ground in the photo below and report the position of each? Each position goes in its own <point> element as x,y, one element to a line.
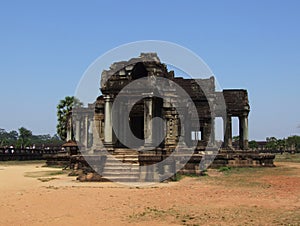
<point>269,196</point>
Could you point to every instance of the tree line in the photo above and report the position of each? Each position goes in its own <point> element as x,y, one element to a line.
<point>272,143</point>
<point>24,138</point>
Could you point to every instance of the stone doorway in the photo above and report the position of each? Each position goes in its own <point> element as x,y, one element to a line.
<point>137,126</point>
<point>137,123</point>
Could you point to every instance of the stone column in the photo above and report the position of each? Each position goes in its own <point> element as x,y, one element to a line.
<point>108,131</point>
<point>125,124</point>
<point>121,125</point>
<point>213,133</point>
<point>227,132</point>
<point>96,133</point>
<point>243,124</point>
<point>86,131</point>
<point>97,127</point>
<point>77,130</point>
<point>206,131</point>
<point>148,127</point>
<point>69,128</point>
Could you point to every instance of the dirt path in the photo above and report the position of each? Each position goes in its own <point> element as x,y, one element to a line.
<point>269,196</point>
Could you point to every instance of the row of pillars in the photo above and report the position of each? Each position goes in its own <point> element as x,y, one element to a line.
<point>81,131</point>
<point>148,126</point>
<point>243,132</point>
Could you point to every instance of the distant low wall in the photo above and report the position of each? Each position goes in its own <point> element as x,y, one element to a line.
<point>13,154</point>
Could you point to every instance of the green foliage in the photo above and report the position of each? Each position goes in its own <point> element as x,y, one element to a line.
<point>64,109</point>
<point>290,143</point>
<point>236,138</point>
<point>178,177</point>
<point>8,138</point>
<point>46,140</point>
<point>281,144</point>
<point>25,138</point>
<point>293,142</point>
<point>271,143</point>
<point>253,144</point>
<point>224,169</point>
<point>287,157</point>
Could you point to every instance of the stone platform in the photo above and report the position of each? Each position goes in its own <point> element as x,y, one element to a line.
<point>132,166</point>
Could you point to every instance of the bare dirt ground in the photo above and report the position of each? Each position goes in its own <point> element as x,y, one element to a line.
<point>34,195</point>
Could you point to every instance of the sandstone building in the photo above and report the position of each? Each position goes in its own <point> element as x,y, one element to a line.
<point>129,132</point>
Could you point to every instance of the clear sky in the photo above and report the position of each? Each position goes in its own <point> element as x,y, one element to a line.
<point>45,47</point>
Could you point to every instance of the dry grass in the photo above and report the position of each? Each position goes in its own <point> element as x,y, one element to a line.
<point>232,196</point>
<point>286,157</point>
<point>46,173</point>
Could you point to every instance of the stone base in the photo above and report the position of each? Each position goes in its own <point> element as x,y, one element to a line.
<point>229,159</point>
<point>59,159</point>
<point>89,167</point>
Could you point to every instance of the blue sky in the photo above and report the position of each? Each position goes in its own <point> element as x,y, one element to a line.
<point>45,47</point>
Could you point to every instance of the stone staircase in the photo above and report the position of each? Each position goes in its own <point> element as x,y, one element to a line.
<point>122,166</point>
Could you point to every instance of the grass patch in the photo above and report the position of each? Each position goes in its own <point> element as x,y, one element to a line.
<point>179,176</point>
<point>44,173</point>
<point>52,187</point>
<point>195,175</point>
<point>287,157</point>
<point>54,166</point>
<point>251,177</point>
<point>240,215</point>
<point>224,169</point>
<point>151,213</point>
<point>47,179</point>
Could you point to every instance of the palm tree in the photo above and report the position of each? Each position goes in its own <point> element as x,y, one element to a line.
<point>25,137</point>
<point>64,111</point>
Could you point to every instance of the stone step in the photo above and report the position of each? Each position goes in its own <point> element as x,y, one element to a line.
<point>125,150</point>
<point>132,161</point>
<point>121,151</point>
<point>125,158</point>
<point>121,162</point>
<point>123,155</point>
<point>122,166</point>
<point>120,169</point>
<point>123,179</point>
<point>119,174</point>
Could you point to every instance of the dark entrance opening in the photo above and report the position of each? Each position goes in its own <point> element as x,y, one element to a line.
<point>137,126</point>
<point>136,122</point>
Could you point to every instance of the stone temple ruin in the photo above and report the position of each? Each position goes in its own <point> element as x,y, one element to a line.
<point>128,132</point>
